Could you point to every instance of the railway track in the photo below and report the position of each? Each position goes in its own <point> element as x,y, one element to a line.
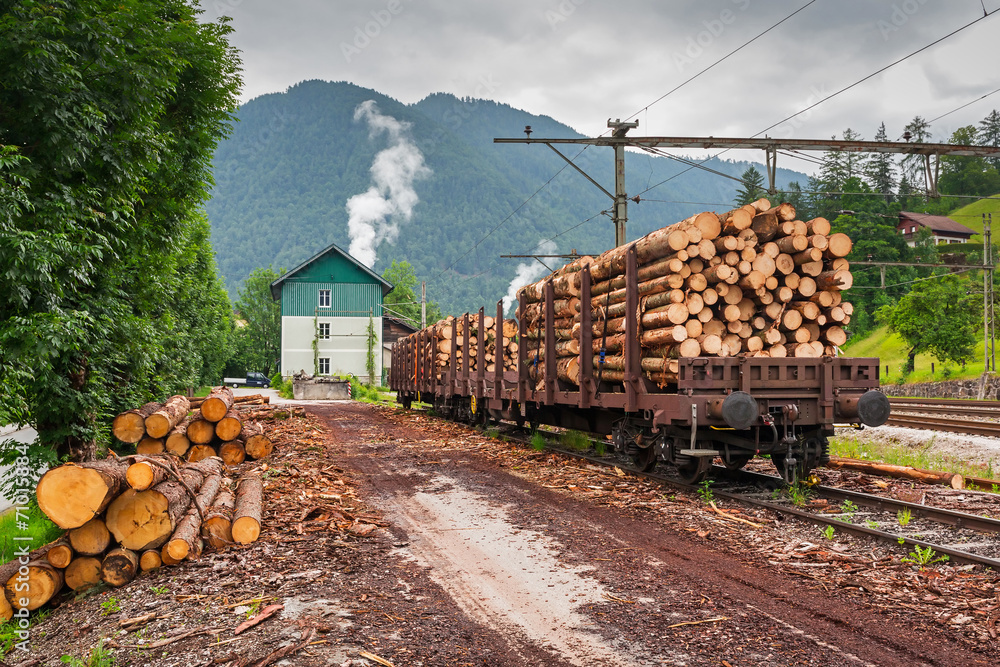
<point>957,529</point>
<point>945,424</point>
<point>963,416</point>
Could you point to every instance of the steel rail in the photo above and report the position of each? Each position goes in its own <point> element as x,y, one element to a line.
<point>954,555</point>
<point>943,424</point>
<point>946,410</point>
<point>957,402</point>
<point>938,514</point>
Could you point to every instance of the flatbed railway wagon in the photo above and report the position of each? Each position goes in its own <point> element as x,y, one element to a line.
<point>687,411</point>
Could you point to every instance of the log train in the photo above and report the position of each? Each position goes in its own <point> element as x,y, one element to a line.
<point>713,337</point>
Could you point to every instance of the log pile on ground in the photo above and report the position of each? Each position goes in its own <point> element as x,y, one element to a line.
<point>754,281</point>
<point>439,345</point>
<point>197,428</point>
<point>126,515</point>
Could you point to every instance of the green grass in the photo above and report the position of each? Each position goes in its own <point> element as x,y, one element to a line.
<point>98,657</point>
<point>8,630</point>
<point>537,441</point>
<point>918,456</point>
<point>574,440</point>
<point>202,392</point>
<point>971,216</point>
<point>39,528</point>
<point>891,351</point>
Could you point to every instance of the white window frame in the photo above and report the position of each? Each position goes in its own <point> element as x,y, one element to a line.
<point>324,296</point>
<point>324,331</point>
<point>324,361</point>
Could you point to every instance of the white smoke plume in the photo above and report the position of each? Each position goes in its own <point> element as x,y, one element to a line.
<point>375,214</point>
<point>528,272</point>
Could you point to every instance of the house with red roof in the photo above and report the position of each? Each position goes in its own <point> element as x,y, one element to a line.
<point>944,229</point>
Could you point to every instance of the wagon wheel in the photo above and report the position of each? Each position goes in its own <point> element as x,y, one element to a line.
<point>643,458</point>
<point>694,469</point>
<point>736,461</point>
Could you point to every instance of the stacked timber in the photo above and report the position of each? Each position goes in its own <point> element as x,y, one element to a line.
<point>754,281</point>
<point>439,344</point>
<point>196,429</point>
<point>126,515</point>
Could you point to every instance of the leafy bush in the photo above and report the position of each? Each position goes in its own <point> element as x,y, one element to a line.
<point>362,392</point>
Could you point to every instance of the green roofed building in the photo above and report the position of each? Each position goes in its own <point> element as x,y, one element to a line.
<point>328,300</point>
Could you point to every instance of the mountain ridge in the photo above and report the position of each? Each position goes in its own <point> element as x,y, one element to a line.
<point>283,177</point>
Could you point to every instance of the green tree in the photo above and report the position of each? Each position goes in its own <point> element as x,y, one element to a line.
<point>962,175</point>
<point>881,168</point>
<point>258,325</point>
<point>988,134</point>
<point>939,316</point>
<point>752,187</point>
<point>913,165</point>
<point>404,299</point>
<point>109,115</point>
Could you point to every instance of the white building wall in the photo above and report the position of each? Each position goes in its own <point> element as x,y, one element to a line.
<point>347,347</point>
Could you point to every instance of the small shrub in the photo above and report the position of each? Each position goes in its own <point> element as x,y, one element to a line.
<point>537,441</point>
<point>98,657</point>
<point>828,532</point>
<point>575,441</point>
<point>922,557</point>
<point>904,516</point>
<point>111,606</point>
<point>705,491</point>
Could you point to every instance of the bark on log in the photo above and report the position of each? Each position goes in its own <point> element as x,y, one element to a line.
<point>119,567</point>
<point>142,520</point>
<point>90,539</point>
<point>184,539</point>
<point>953,480</point>
<point>159,424</point>
<point>74,493</point>
<point>83,572</point>
<point>217,404</point>
<point>248,509</point>
<point>130,426</point>
<point>217,526</point>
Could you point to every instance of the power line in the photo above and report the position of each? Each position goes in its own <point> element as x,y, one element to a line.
<point>832,95</point>
<point>910,282</point>
<point>983,97</point>
<point>720,60</point>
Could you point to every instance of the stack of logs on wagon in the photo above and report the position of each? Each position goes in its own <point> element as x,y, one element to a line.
<point>755,281</point>
<point>134,513</point>
<point>452,330</point>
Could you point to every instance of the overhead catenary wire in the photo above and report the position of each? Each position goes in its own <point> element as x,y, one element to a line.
<point>834,94</point>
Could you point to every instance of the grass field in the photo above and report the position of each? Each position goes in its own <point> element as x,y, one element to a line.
<point>972,216</point>
<point>39,528</point>
<point>891,349</point>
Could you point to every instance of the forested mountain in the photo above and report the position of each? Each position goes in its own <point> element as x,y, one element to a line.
<point>295,158</point>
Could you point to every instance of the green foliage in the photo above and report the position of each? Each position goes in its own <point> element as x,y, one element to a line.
<point>404,299</point>
<point>110,114</point>
<point>751,188</point>
<point>925,556</point>
<point>159,590</point>
<point>39,529</point>
<point>371,340</point>
<point>799,494</point>
<point>98,657</point>
<point>258,326</point>
<point>363,392</point>
<point>704,491</point>
<point>574,440</point>
<point>904,516</point>
<point>827,532</point>
<point>9,638</point>
<point>938,316</point>
<point>537,441</point>
<point>111,606</point>
<point>848,510</point>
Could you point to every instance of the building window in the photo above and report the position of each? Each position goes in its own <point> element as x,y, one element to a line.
<point>324,365</point>
<point>324,330</point>
<point>324,298</point>
<point>913,230</point>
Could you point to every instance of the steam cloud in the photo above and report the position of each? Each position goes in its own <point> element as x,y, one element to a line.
<point>374,215</point>
<point>527,273</point>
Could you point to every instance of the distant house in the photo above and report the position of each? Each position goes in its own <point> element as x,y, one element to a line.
<point>944,229</point>
<point>328,299</point>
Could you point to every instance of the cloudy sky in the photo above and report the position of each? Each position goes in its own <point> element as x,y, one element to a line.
<point>583,61</point>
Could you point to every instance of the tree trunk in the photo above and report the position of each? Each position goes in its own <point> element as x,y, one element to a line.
<point>200,453</point>
<point>217,526</point>
<point>150,560</point>
<point>184,540</point>
<point>142,520</point>
<point>90,539</point>
<point>953,480</point>
<point>159,424</point>
<point>130,426</point>
<point>200,431</point>
<point>142,475</point>
<point>34,589</point>
<point>177,441</point>
<point>119,567</point>
<point>233,453</point>
<point>60,553</point>
<point>229,427</point>
<point>217,404</point>
<point>248,509</point>
<point>149,446</point>
<point>74,493</point>
<point>83,572</point>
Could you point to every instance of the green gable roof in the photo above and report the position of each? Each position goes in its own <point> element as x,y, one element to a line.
<point>332,264</point>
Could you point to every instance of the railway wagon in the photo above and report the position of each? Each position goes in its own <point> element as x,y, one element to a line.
<point>732,407</point>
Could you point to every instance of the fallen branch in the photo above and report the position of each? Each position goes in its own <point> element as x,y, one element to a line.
<point>375,658</point>
<point>733,518</point>
<point>286,650</point>
<point>707,620</point>
<point>265,613</point>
